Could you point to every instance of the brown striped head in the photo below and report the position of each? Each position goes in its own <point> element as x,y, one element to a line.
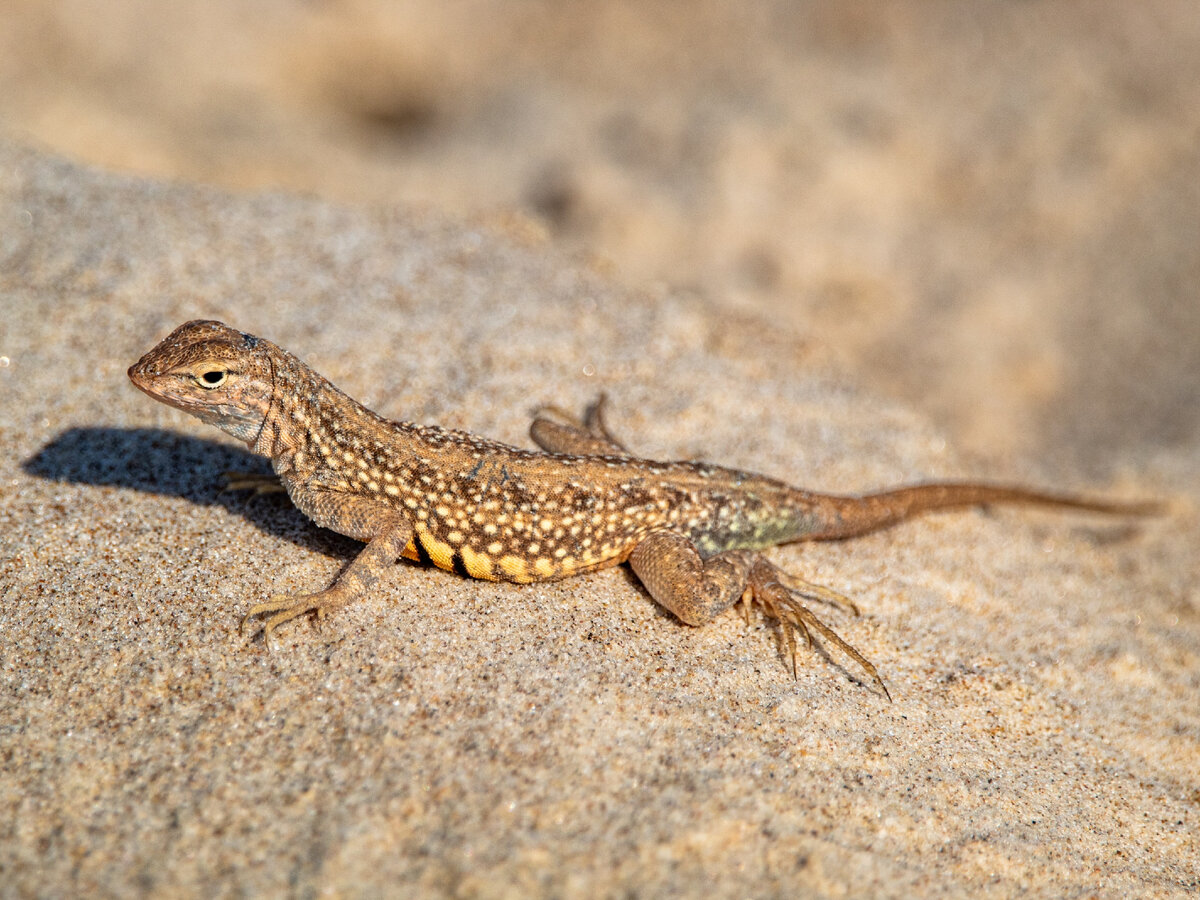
<point>216,373</point>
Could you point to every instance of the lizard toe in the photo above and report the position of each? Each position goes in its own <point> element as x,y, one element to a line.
<point>285,608</point>
<point>257,482</point>
<point>779,594</point>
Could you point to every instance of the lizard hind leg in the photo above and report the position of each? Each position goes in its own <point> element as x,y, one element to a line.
<point>697,590</point>
<point>779,594</point>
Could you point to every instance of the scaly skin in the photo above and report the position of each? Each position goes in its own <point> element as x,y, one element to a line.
<point>690,531</point>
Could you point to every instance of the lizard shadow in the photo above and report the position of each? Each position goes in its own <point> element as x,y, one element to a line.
<point>157,461</point>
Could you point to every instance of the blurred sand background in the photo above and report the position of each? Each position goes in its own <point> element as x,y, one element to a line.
<point>843,243</point>
<point>990,210</point>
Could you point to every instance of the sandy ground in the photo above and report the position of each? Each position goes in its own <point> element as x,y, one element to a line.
<point>990,210</point>
<point>845,244</point>
<point>451,737</point>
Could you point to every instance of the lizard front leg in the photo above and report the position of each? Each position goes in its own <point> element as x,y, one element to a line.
<point>589,437</point>
<point>386,532</point>
<point>697,590</point>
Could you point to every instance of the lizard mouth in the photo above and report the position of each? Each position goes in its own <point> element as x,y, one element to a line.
<point>140,377</point>
<point>152,384</point>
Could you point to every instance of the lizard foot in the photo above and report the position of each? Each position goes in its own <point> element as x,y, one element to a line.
<point>779,593</point>
<point>285,608</point>
<point>255,481</point>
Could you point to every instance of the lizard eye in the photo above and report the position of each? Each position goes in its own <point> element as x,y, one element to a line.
<point>213,378</point>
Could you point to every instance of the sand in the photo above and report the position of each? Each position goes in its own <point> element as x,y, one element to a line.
<point>455,738</point>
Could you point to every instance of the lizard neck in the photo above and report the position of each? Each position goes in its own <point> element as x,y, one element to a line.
<point>315,431</point>
<point>304,404</point>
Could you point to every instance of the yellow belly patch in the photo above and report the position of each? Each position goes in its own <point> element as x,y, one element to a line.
<point>478,565</point>
<point>514,568</point>
<point>424,547</point>
<point>440,553</point>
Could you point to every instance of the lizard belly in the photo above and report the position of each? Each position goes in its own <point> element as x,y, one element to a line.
<point>427,547</point>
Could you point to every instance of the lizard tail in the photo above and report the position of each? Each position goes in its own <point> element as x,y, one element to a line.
<point>843,516</point>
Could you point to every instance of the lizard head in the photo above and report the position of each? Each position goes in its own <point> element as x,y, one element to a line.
<point>216,373</point>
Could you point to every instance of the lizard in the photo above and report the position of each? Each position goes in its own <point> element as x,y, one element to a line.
<point>692,532</point>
